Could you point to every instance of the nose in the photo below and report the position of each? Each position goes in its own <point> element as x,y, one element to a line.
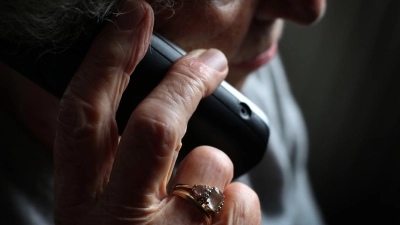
<point>299,11</point>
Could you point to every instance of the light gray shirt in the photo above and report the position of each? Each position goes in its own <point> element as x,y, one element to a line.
<point>281,179</point>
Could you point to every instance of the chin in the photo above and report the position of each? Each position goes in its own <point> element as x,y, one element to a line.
<point>259,46</point>
<point>238,72</point>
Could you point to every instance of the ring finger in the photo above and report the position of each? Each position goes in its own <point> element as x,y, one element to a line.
<point>209,166</point>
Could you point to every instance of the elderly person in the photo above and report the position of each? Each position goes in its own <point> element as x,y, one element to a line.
<point>101,178</point>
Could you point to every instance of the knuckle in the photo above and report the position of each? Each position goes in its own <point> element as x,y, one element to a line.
<point>224,161</point>
<point>195,74</point>
<point>99,85</point>
<point>176,93</point>
<point>80,119</point>
<point>156,132</point>
<point>222,164</point>
<point>184,87</point>
<point>108,56</point>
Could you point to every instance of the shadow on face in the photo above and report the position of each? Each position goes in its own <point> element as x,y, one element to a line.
<point>245,30</point>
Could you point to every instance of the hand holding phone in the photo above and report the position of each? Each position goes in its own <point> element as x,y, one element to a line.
<point>99,177</point>
<point>226,120</point>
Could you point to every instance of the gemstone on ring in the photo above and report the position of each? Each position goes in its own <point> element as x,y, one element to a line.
<point>212,197</point>
<point>216,200</point>
<point>208,200</point>
<point>200,190</point>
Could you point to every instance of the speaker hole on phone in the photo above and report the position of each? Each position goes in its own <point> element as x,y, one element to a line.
<point>245,111</point>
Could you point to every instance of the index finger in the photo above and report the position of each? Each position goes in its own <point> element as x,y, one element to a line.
<point>150,141</point>
<point>87,135</point>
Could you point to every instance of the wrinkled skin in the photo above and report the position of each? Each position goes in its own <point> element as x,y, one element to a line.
<point>101,180</point>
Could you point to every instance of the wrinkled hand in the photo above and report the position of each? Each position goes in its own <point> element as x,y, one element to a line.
<point>101,180</point>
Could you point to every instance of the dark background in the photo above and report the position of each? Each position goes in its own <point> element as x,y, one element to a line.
<point>345,74</point>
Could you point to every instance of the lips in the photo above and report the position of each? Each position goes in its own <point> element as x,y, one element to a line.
<point>257,61</point>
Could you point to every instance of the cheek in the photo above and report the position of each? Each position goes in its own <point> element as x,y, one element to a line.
<point>208,25</point>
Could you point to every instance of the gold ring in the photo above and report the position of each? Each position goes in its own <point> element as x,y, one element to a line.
<point>208,200</point>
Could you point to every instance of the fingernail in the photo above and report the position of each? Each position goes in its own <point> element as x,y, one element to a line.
<point>132,13</point>
<point>215,59</point>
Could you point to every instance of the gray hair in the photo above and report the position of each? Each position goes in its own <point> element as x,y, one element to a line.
<point>37,22</point>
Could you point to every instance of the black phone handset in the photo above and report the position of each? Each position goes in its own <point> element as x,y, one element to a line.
<point>226,119</point>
